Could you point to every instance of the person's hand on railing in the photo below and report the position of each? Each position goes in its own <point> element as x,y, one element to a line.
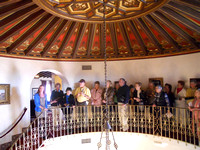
<point>103,101</point>
<point>53,102</point>
<point>154,105</point>
<point>137,99</point>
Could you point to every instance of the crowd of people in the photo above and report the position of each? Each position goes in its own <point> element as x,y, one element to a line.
<point>121,95</point>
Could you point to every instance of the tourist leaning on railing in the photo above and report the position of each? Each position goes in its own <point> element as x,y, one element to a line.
<point>139,96</point>
<point>40,100</point>
<point>123,95</point>
<point>56,99</point>
<point>68,102</point>
<point>161,99</point>
<point>195,109</point>
<point>180,94</point>
<point>96,97</point>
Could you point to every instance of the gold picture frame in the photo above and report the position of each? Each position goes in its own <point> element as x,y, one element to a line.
<point>156,81</point>
<point>4,94</point>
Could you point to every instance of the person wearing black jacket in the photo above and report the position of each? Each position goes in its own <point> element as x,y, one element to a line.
<point>68,102</point>
<point>123,95</point>
<point>56,99</point>
<point>139,96</point>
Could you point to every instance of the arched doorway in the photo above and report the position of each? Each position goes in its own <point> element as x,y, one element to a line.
<point>47,78</point>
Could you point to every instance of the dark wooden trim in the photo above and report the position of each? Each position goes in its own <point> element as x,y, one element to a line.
<point>162,31</point>
<point>53,38</point>
<point>5,10</point>
<point>6,2</point>
<point>175,28</point>
<point>29,32</point>
<point>32,18</point>
<point>195,3</point>
<point>40,37</point>
<point>21,14</point>
<point>90,39</point>
<point>69,32</point>
<point>137,36</point>
<point>125,37</point>
<point>171,13</point>
<point>114,38</point>
<point>185,9</point>
<point>79,38</point>
<point>150,34</point>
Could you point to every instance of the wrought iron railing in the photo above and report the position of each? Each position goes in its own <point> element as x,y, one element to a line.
<point>173,123</point>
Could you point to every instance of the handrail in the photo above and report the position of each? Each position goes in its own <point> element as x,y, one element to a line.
<point>27,128</point>
<point>25,109</point>
<point>141,119</point>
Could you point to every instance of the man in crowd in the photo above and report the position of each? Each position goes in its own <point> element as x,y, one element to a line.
<point>56,100</point>
<point>123,95</point>
<point>82,94</point>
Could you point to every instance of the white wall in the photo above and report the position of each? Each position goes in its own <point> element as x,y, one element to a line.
<point>19,74</point>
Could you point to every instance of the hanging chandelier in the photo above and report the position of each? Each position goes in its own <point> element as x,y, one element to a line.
<point>106,125</point>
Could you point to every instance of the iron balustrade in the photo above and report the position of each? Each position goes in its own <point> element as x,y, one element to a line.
<point>172,123</point>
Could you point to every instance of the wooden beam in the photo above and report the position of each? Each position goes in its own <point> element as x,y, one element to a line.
<point>16,28</point>
<point>137,36</point>
<point>162,31</point>
<point>175,28</point>
<point>126,39</point>
<point>53,38</point>
<point>20,15</point>
<point>40,37</point>
<point>29,33</point>
<point>5,10</point>
<point>79,38</point>
<point>114,38</point>
<point>6,2</point>
<point>190,24</point>
<point>69,32</point>
<point>195,3</point>
<point>185,9</point>
<point>150,34</point>
<point>90,39</point>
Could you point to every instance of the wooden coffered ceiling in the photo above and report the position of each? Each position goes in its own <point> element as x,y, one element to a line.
<point>73,30</point>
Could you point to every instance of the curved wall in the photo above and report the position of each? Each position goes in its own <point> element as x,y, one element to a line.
<point>19,74</point>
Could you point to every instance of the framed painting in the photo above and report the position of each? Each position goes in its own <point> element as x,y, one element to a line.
<point>34,91</point>
<point>156,81</point>
<point>4,93</point>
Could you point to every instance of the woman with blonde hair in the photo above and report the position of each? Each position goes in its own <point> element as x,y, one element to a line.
<point>40,100</point>
<point>110,93</point>
<point>195,109</point>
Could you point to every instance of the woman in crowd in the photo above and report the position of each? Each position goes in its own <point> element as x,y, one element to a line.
<point>68,102</point>
<point>170,94</point>
<point>180,94</point>
<point>132,89</point>
<point>40,100</point>
<point>150,92</point>
<point>110,93</point>
<point>96,97</point>
<point>139,96</point>
<point>115,91</point>
<point>195,109</point>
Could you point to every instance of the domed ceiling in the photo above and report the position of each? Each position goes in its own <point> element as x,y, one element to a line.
<point>73,29</point>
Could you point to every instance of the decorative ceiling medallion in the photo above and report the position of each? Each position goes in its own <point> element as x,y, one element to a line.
<point>88,11</point>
